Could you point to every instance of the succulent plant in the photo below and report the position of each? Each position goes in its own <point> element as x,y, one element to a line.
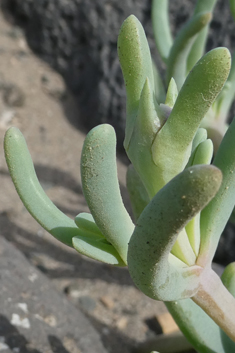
<point>181,202</point>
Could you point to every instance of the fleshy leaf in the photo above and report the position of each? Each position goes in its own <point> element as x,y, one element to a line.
<point>86,222</point>
<point>215,216</point>
<point>30,191</point>
<point>183,250</point>
<point>146,126</point>
<point>136,63</point>
<point>157,230</point>
<point>92,243</point>
<point>138,195</point>
<point>201,136</point>
<point>202,155</point>
<point>225,99</point>
<point>97,249</point>
<point>177,61</point>
<point>173,143</point>
<point>161,28</point>
<point>101,188</point>
<point>172,94</point>
<point>198,46</point>
<point>193,232</point>
<point>200,330</point>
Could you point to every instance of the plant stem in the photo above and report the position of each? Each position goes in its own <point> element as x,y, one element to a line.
<point>216,301</point>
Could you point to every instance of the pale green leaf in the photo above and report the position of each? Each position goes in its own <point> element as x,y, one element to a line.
<point>173,143</point>
<point>30,191</point>
<point>157,230</point>
<point>101,188</point>
<point>138,195</point>
<point>177,61</point>
<point>215,216</point>
<point>161,27</point>
<point>136,63</point>
<point>199,44</point>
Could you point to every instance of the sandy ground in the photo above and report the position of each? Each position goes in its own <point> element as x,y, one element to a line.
<point>35,99</point>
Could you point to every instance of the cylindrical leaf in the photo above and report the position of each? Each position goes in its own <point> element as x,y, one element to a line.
<point>216,215</point>
<point>101,188</point>
<point>138,195</point>
<point>172,146</point>
<point>177,61</point>
<point>161,27</point>
<point>199,44</point>
<point>146,126</point>
<point>136,64</point>
<point>30,191</point>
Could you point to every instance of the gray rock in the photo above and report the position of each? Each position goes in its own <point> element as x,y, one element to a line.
<point>87,304</point>
<point>34,317</point>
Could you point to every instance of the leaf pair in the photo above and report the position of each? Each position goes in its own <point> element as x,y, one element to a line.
<point>159,138</point>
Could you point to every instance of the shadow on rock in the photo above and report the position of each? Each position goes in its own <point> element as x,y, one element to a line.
<point>70,265</point>
<point>113,340</point>
<point>12,338</point>
<point>56,345</point>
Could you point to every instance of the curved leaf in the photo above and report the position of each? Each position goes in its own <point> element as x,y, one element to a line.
<point>204,152</point>
<point>101,188</point>
<point>177,61</point>
<point>86,222</point>
<point>202,155</point>
<point>157,230</point>
<point>198,46</point>
<point>173,143</point>
<point>161,28</point>
<point>30,191</point>
<point>136,63</point>
<point>92,243</point>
